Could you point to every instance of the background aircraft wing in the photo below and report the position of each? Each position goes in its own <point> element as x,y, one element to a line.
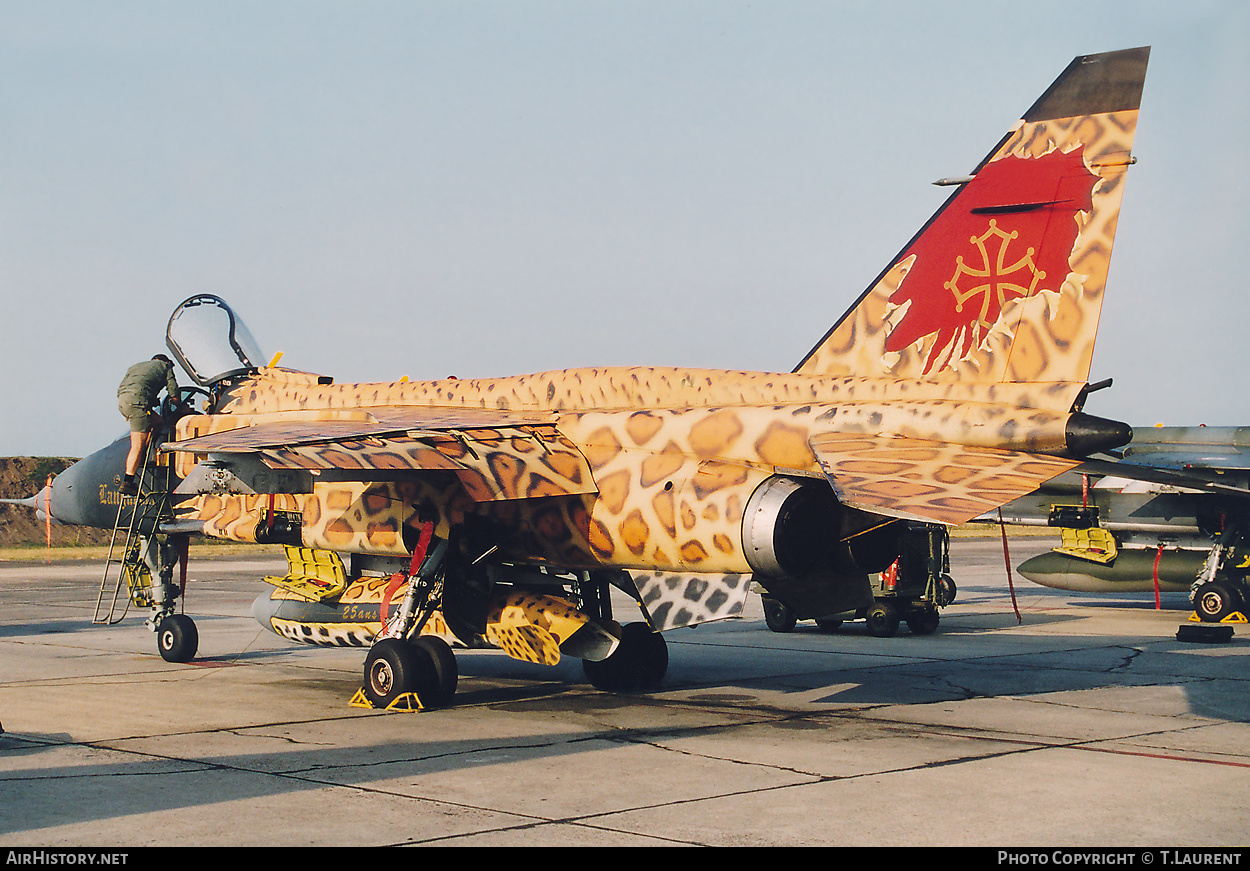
<point>1208,479</point>
<point>929,481</point>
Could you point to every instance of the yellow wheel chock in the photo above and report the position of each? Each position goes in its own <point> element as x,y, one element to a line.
<point>1235,617</point>
<point>407,703</point>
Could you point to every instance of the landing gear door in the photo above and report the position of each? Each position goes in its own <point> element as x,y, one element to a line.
<point>209,341</point>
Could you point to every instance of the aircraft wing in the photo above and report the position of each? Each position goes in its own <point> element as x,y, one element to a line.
<point>496,455</point>
<point>375,421</point>
<point>929,481</point>
<point>1208,479</point>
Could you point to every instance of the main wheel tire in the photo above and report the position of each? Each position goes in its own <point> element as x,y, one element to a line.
<point>883,620</point>
<point>446,672</point>
<point>177,639</point>
<point>923,620</point>
<point>778,616</point>
<point>1215,601</point>
<point>639,662</point>
<point>394,667</point>
<point>946,590</point>
<point>828,624</point>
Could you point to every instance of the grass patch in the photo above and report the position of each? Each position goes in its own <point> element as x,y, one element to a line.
<point>38,553</point>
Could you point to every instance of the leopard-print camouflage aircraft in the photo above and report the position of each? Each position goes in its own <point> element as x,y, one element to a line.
<point>498,511</point>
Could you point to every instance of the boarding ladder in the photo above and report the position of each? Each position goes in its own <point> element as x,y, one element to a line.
<point>126,562</point>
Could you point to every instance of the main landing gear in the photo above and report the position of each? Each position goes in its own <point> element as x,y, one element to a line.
<point>404,668</point>
<point>911,590</point>
<point>638,663</point>
<point>423,667</point>
<point>1221,591</point>
<point>421,673</point>
<point>533,617</point>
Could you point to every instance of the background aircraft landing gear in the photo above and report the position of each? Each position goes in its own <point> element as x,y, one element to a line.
<point>639,662</point>
<point>1214,601</point>
<point>1221,591</point>
<point>882,619</point>
<point>177,639</point>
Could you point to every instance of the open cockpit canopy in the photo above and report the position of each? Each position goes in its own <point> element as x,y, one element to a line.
<point>209,341</point>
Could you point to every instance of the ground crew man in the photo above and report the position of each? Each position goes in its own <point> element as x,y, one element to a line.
<point>136,397</point>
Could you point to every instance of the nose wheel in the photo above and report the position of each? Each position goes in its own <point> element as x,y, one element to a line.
<point>177,639</point>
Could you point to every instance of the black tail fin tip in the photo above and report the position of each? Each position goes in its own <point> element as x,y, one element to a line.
<point>1095,84</point>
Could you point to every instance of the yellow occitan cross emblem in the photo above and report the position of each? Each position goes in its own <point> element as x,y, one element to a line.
<point>996,288</point>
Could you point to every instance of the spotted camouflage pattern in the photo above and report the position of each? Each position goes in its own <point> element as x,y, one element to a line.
<point>952,482</point>
<point>356,517</point>
<point>531,628</point>
<point>655,465</point>
<point>236,517</point>
<point>672,600</point>
<point>670,483</point>
<point>491,463</point>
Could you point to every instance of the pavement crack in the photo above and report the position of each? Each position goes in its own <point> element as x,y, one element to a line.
<point>1130,656</point>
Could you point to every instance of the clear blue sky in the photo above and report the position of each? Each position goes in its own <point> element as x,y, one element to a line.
<point>486,188</point>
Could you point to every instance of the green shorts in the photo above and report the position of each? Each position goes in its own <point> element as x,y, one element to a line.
<point>141,419</point>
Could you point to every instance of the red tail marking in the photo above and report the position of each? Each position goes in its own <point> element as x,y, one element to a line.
<point>1008,235</point>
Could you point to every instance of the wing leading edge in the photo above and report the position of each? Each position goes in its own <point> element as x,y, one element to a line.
<point>496,456</point>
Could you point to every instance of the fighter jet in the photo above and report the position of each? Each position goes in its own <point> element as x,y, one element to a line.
<point>1178,524</point>
<point>422,517</point>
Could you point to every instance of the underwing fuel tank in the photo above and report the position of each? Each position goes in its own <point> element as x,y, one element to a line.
<point>1132,571</point>
<point>526,624</point>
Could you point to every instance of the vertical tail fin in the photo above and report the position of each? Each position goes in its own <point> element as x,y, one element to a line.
<point>1005,281</point>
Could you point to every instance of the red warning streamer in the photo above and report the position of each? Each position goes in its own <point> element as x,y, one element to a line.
<point>47,516</point>
<point>1002,527</point>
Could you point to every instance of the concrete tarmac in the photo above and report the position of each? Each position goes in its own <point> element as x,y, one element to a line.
<point>1086,724</point>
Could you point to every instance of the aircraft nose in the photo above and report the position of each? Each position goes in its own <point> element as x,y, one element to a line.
<point>85,494</point>
<point>62,498</point>
<point>48,500</point>
<point>37,502</point>
<point>41,502</point>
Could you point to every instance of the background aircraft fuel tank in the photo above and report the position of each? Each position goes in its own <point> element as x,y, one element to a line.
<point>1132,571</point>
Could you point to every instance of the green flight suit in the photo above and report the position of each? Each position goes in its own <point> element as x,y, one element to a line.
<point>136,395</point>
